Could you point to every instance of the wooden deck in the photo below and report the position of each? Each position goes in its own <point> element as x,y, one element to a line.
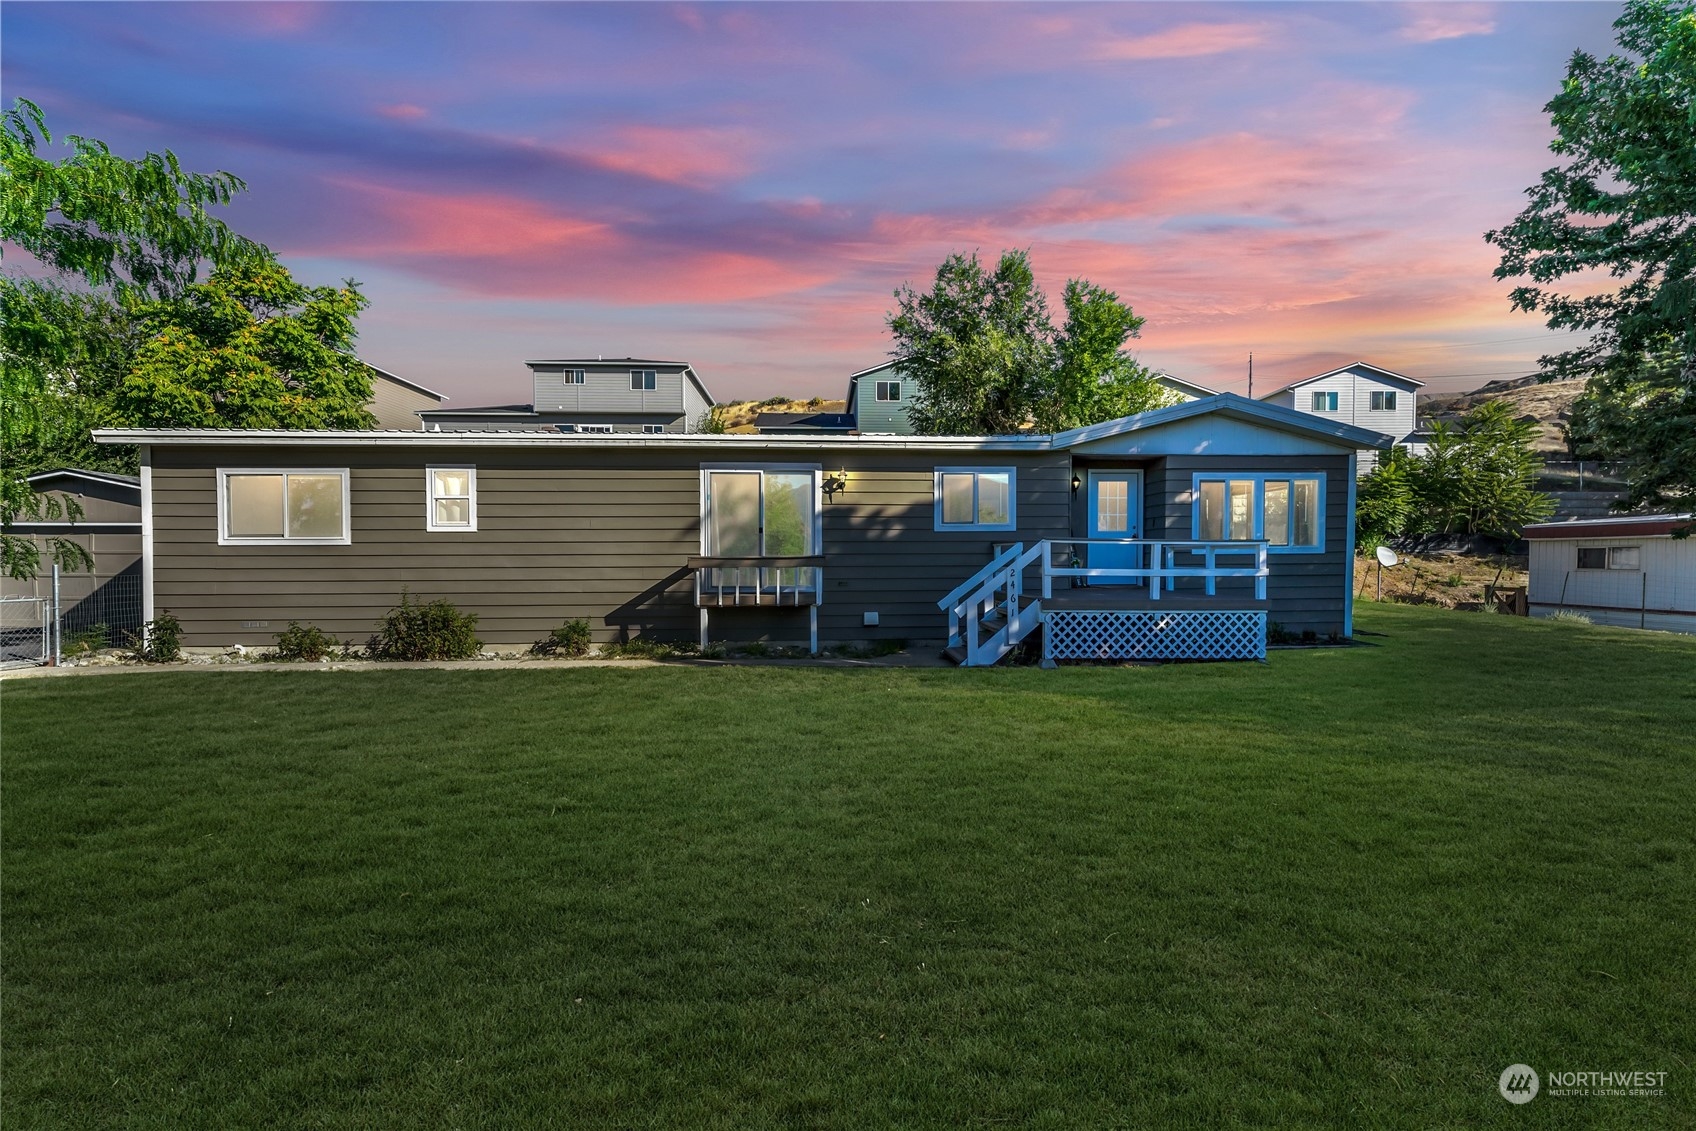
<point>1129,597</point>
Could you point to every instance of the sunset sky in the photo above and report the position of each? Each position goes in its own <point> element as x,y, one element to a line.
<point>742,186</point>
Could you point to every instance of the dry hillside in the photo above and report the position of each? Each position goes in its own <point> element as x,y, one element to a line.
<point>739,415</point>
<point>1548,403</point>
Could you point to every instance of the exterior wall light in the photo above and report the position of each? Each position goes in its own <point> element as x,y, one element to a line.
<point>1076,483</point>
<point>834,482</point>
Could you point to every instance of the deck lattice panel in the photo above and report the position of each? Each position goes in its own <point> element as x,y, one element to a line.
<point>1146,635</point>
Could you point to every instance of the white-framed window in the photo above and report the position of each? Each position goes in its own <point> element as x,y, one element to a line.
<point>653,429</point>
<point>1287,511</point>
<point>1383,401</point>
<point>975,498</point>
<point>597,429</point>
<point>452,495</point>
<point>761,511</point>
<point>1324,402</point>
<point>642,380</point>
<point>1610,557</point>
<point>575,376</point>
<point>263,506</point>
<point>888,391</point>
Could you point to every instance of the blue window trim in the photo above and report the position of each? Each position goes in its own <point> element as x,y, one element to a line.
<point>1012,474</point>
<point>1259,478</point>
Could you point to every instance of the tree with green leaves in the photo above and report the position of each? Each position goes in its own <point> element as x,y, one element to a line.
<point>986,359</point>
<point>1623,206</point>
<point>249,348</point>
<point>1476,476</point>
<point>113,295</point>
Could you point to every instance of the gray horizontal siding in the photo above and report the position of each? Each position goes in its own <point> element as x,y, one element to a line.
<point>1305,591</point>
<point>561,534</point>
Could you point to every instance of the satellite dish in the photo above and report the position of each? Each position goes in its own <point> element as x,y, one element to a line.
<point>1386,556</point>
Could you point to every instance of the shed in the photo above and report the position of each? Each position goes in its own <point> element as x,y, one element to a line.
<point>1628,571</point>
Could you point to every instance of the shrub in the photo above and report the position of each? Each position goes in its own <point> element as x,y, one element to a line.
<point>640,649</point>
<point>160,641</point>
<point>304,642</point>
<point>90,639</point>
<point>770,401</point>
<point>1571,617</point>
<point>569,639</point>
<point>433,630</point>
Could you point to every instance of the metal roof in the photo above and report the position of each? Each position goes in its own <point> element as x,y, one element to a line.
<point>1622,526</point>
<point>1227,404</point>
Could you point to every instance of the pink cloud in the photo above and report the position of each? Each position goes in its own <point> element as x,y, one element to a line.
<point>696,157</point>
<point>1429,23</point>
<point>265,17</point>
<point>402,111</point>
<point>1186,41</point>
<point>496,244</point>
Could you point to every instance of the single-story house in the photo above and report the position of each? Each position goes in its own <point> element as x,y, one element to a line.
<point>1186,530</point>
<point>1627,570</point>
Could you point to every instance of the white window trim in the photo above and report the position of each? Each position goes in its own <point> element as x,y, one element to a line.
<point>224,538</point>
<point>430,523</point>
<point>815,469</point>
<point>1259,479</point>
<point>574,376</point>
<point>885,385</point>
<point>1608,558</point>
<point>1012,474</point>
<point>1330,396</point>
<point>653,429</point>
<point>1386,395</point>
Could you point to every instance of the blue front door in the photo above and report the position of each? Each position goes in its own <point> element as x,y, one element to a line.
<point>1115,511</point>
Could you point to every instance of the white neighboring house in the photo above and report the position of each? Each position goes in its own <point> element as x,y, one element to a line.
<point>1628,571</point>
<point>1362,395</point>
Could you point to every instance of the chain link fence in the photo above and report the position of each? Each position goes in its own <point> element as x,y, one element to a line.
<point>26,631</point>
<point>69,615</point>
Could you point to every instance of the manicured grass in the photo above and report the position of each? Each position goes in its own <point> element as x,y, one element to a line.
<point>1345,888</point>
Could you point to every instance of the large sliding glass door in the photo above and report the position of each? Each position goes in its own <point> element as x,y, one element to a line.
<point>761,513</point>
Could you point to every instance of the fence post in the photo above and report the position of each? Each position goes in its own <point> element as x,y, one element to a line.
<point>58,630</point>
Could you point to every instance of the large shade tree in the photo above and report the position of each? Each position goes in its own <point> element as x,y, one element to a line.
<point>984,353</point>
<point>1607,244</point>
<point>128,272</point>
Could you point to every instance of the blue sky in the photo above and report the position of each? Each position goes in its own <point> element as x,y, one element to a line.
<point>742,186</point>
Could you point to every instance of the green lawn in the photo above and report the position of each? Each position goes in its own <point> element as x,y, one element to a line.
<point>1345,888</point>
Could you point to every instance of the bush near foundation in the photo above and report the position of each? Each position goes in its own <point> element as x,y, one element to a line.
<point>430,630</point>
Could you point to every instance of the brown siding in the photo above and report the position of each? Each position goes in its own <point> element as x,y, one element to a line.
<point>396,406</point>
<point>598,534</point>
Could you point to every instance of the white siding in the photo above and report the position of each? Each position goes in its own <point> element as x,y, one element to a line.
<point>1667,580</point>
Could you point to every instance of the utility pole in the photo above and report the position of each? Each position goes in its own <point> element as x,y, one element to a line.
<point>1251,375</point>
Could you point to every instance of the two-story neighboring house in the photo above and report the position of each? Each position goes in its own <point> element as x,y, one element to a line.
<point>878,398</point>
<point>619,394</point>
<point>1361,395</point>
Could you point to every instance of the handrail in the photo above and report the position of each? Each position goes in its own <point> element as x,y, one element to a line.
<point>982,575</point>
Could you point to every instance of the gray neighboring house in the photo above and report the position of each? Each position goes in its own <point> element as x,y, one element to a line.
<point>1362,395</point>
<point>599,395</point>
<point>1187,531</point>
<point>878,398</point>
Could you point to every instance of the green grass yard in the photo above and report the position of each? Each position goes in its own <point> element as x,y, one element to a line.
<point>1346,888</point>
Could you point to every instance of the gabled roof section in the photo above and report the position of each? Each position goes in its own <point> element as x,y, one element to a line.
<point>688,370</point>
<point>1183,386</point>
<point>109,478</point>
<point>404,383</point>
<point>854,378</point>
<point>1378,371</point>
<point>1237,407</point>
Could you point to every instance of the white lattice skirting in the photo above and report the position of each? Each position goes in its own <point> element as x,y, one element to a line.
<point>1142,635</point>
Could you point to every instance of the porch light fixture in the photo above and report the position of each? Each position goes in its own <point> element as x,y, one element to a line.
<point>834,482</point>
<point>1076,483</point>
